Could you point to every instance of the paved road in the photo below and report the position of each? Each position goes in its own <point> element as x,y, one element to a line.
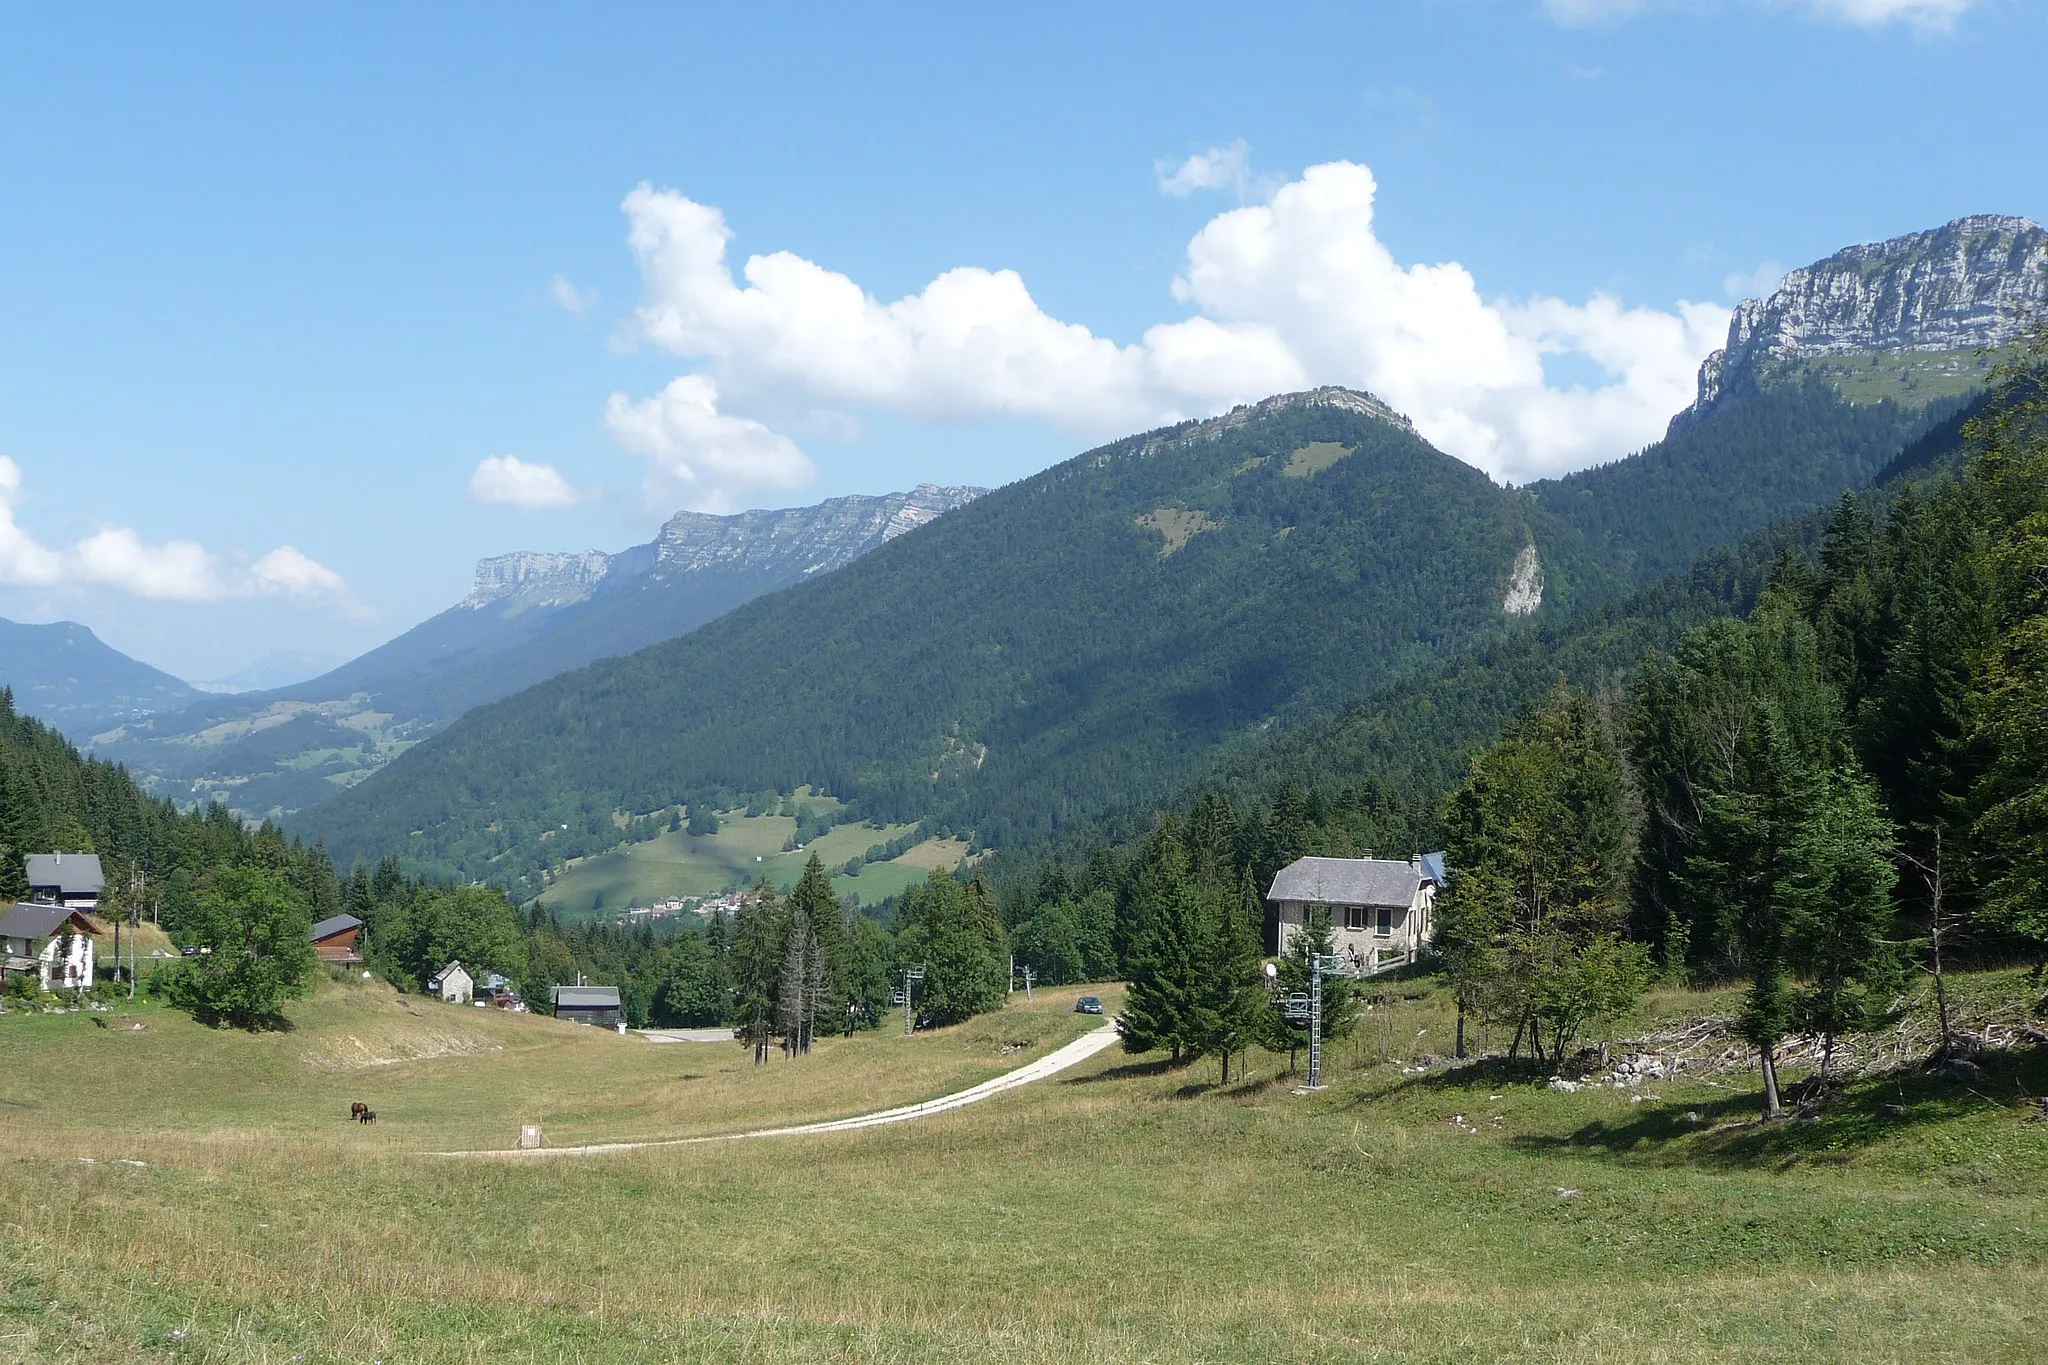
<point>1080,1050</point>
<point>685,1035</point>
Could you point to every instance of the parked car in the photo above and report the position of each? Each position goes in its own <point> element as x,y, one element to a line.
<point>1088,1004</point>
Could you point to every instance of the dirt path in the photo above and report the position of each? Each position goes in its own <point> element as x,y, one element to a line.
<point>1054,1062</point>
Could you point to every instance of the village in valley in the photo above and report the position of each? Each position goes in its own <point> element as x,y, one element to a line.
<point>1067,685</point>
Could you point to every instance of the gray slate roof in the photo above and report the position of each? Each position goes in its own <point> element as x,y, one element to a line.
<point>587,997</point>
<point>338,924</point>
<point>1433,869</point>
<point>71,873</point>
<point>34,921</point>
<point>1347,881</point>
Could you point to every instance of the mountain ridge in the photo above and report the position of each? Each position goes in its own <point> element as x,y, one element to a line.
<point>528,616</point>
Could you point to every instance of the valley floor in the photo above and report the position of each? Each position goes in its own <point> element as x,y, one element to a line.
<point>176,1193</point>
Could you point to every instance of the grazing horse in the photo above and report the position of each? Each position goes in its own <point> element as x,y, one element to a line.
<point>357,1110</point>
<point>367,1116</point>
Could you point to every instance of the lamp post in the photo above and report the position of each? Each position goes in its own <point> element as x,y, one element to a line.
<point>911,975</point>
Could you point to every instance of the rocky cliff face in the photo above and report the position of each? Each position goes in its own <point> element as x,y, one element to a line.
<point>1967,284</point>
<point>803,540</point>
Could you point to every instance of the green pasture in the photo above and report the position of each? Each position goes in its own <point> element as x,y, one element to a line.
<point>177,1193</point>
<point>745,849</point>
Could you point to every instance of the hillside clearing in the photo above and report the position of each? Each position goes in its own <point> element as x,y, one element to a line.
<point>745,849</point>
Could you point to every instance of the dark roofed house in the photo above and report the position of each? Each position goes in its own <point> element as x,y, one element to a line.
<point>339,940</point>
<point>1380,909</point>
<point>55,942</point>
<point>73,879</point>
<point>597,1005</point>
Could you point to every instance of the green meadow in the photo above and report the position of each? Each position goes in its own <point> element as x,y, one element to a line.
<point>180,1193</point>
<point>745,849</point>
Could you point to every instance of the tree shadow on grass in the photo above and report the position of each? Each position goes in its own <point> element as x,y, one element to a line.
<point>1870,1110</point>
<point>1129,1071</point>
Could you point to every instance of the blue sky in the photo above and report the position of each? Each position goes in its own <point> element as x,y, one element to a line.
<point>275,287</point>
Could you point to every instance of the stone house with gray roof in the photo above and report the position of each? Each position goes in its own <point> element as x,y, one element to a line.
<point>1381,910</point>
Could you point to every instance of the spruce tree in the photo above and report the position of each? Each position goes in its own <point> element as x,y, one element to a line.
<point>1169,1002</point>
<point>1237,1000</point>
<point>755,959</point>
<point>1839,913</point>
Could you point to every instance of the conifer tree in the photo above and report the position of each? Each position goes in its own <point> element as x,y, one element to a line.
<point>755,966</point>
<point>1839,912</point>
<point>1169,1004</point>
<point>1237,1000</point>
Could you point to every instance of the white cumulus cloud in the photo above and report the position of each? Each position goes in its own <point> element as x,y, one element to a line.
<point>1759,283</point>
<point>571,300</point>
<point>169,571</point>
<point>508,481</point>
<point>1219,168</point>
<point>699,457</point>
<point>1935,16</point>
<point>1282,295</point>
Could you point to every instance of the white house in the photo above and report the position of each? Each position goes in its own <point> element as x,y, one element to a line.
<point>453,983</point>
<point>1381,910</point>
<point>53,941</point>
<point>69,879</point>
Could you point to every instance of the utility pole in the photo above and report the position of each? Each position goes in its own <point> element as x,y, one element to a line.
<point>1027,983</point>
<point>911,975</point>
<point>1309,1007</point>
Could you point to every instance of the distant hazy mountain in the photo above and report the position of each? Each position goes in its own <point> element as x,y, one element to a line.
<point>1820,385</point>
<point>528,616</point>
<point>64,674</point>
<point>278,668</point>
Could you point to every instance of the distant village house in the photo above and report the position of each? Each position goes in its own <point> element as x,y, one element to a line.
<point>69,879</point>
<point>597,1005</point>
<point>339,940</point>
<point>1381,911</point>
<point>52,942</point>
<point>453,983</point>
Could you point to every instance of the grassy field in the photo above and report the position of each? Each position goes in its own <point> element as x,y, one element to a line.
<point>744,850</point>
<point>1123,1212</point>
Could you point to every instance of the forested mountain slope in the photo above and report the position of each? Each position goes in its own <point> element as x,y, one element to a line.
<point>1034,657</point>
<point>529,616</point>
<point>66,675</point>
<point>1818,385</point>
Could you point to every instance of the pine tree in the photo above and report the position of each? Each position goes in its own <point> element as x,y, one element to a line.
<point>1237,999</point>
<point>755,959</point>
<point>1168,1004</point>
<point>1839,912</point>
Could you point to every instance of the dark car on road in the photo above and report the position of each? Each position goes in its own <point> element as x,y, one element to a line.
<point>1088,1004</point>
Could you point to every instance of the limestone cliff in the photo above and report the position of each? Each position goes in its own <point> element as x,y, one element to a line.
<point>1966,285</point>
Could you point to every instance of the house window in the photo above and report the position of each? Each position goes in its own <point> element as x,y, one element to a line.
<point>1385,928</point>
<point>1354,917</point>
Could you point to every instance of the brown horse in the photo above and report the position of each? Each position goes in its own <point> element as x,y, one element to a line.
<point>357,1110</point>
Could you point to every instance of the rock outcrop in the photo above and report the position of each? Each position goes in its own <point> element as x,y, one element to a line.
<point>799,540</point>
<point>1968,284</point>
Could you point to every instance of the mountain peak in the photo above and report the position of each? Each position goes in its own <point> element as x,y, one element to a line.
<point>1968,284</point>
<point>1328,396</point>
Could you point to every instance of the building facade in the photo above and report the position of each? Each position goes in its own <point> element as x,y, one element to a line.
<point>1381,910</point>
<point>54,943</point>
